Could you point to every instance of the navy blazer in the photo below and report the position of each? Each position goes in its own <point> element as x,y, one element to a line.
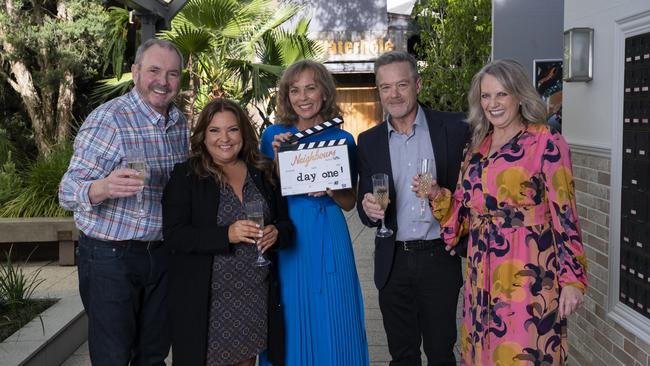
<point>190,230</point>
<point>449,135</point>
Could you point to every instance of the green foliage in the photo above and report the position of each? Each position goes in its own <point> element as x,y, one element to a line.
<point>455,42</point>
<point>117,24</point>
<point>10,182</point>
<point>238,49</point>
<point>17,307</point>
<point>47,49</point>
<point>232,48</point>
<point>16,286</point>
<point>49,45</point>
<point>6,147</point>
<point>11,321</point>
<point>110,88</point>
<point>16,135</point>
<point>39,195</point>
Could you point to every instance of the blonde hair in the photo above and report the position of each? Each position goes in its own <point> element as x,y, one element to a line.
<point>512,76</point>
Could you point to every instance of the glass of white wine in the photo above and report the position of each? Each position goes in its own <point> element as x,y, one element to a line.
<point>255,212</point>
<point>135,160</point>
<point>426,174</point>
<point>380,191</point>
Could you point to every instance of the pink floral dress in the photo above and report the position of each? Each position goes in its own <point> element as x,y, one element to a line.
<point>518,206</point>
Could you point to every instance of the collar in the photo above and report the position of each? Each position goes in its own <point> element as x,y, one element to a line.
<point>151,114</point>
<point>420,122</point>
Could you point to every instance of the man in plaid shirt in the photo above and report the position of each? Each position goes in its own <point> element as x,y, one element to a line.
<point>121,264</point>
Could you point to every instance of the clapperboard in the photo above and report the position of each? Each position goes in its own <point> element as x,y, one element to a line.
<point>314,166</point>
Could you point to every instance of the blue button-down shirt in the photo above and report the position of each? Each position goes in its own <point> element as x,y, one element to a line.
<point>109,131</point>
<point>405,150</point>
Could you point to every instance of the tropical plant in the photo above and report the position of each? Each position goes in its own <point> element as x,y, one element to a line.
<point>39,194</point>
<point>118,30</point>
<point>455,42</point>
<point>232,48</point>
<point>46,47</point>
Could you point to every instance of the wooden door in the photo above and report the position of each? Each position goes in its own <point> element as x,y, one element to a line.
<point>361,108</point>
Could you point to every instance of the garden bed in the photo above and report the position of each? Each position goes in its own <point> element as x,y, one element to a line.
<point>13,319</point>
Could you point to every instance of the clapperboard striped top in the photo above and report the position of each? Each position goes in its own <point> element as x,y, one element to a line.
<point>316,129</point>
<point>313,145</point>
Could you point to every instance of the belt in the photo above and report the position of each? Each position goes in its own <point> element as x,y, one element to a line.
<point>418,245</point>
<point>139,244</point>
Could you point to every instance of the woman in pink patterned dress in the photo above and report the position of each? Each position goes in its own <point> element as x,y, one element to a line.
<point>526,269</point>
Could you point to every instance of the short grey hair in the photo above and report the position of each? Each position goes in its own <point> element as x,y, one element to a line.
<point>139,54</point>
<point>397,56</point>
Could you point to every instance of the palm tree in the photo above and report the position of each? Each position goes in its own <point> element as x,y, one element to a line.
<point>237,49</point>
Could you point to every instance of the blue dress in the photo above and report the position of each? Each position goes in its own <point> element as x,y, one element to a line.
<point>319,285</point>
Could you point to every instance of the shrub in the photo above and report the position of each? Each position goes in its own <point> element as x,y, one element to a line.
<point>455,42</point>
<point>17,287</point>
<point>10,181</point>
<point>39,194</point>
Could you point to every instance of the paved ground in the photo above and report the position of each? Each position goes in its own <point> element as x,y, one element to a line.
<point>65,279</point>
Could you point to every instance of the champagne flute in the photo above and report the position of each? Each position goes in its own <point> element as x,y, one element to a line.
<point>380,191</point>
<point>135,160</point>
<point>255,213</point>
<point>426,171</point>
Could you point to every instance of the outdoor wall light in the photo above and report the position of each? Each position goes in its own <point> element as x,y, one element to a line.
<point>166,1</point>
<point>578,54</point>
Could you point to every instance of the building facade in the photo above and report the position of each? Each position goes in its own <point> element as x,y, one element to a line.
<point>613,328</point>
<point>353,34</point>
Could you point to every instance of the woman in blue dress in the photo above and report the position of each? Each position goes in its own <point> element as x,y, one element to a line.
<point>321,296</point>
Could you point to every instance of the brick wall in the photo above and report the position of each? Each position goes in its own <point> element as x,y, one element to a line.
<point>594,338</point>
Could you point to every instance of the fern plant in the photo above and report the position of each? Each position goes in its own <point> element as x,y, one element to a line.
<point>39,195</point>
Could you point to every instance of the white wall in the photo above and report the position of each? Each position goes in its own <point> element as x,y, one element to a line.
<point>587,111</point>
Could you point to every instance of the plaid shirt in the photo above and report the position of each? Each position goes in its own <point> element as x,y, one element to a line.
<point>99,148</point>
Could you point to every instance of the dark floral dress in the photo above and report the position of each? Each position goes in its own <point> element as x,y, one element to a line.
<point>237,328</point>
<point>519,208</point>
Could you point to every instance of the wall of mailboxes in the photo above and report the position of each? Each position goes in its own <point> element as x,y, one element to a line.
<point>635,205</point>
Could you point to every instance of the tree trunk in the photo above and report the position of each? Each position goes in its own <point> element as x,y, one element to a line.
<point>50,108</point>
<point>64,111</point>
<point>66,97</point>
<point>192,96</point>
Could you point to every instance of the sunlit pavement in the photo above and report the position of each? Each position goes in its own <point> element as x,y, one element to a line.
<point>62,280</point>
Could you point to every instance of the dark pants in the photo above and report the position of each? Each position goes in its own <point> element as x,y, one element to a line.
<point>419,303</point>
<point>124,293</point>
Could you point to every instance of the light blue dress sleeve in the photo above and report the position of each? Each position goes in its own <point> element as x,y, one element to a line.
<point>266,140</point>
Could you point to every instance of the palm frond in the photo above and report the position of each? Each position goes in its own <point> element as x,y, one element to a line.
<point>110,88</point>
<point>118,21</point>
<point>189,40</point>
<point>257,80</point>
<point>210,14</point>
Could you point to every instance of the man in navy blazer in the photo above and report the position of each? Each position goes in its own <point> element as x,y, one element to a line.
<point>417,279</point>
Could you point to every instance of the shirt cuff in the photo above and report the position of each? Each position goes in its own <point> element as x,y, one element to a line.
<point>83,197</point>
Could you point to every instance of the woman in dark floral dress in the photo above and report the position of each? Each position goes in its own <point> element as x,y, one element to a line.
<point>526,269</point>
<point>224,310</point>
